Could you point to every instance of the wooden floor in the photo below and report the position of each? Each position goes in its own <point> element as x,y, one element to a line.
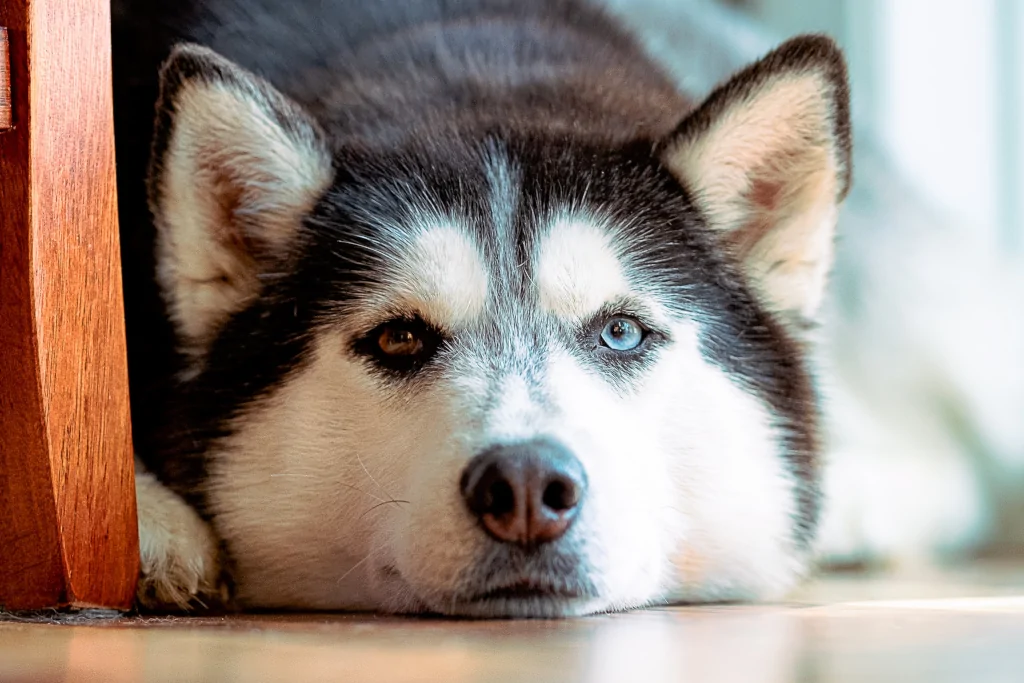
<point>962,626</point>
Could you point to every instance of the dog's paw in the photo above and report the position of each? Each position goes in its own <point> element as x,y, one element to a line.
<point>179,554</point>
<point>900,508</point>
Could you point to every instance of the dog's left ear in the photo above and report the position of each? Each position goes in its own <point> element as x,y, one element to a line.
<point>235,168</point>
<point>766,159</point>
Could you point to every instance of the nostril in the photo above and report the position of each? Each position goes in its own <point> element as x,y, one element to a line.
<point>525,493</point>
<point>500,498</point>
<point>559,496</point>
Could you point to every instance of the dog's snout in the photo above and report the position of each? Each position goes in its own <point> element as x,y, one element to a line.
<point>527,493</point>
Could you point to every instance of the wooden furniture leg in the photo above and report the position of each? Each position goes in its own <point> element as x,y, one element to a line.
<point>68,534</point>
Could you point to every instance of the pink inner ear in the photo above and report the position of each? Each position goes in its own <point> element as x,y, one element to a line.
<point>765,194</point>
<point>765,198</point>
<point>226,228</point>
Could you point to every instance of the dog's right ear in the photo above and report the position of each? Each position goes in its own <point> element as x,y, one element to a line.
<point>766,159</point>
<point>235,166</point>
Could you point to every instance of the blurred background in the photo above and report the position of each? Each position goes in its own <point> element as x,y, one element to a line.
<point>940,84</point>
<point>922,342</point>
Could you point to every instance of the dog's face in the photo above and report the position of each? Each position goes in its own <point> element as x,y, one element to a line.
<point>502,373</point>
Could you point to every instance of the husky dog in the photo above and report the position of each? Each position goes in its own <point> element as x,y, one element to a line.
<point>465,308</point>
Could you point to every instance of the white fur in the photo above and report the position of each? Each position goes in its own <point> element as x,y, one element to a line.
<point>289,490</point>
<point>334,478</point>
<point>178,553</point>
<point>438,273</point>
<point>578,269</point>
<point>684,502</point>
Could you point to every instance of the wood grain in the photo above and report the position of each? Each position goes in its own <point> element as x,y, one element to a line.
<point>966,626</point>
<point>5,82</point>
<point>67,506</point>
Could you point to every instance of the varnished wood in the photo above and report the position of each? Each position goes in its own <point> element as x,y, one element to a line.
<point>957,628</point>
<point>67,508</point>
<point>5,82</point>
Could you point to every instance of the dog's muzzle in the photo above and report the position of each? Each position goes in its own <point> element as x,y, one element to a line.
<point>526,496</point>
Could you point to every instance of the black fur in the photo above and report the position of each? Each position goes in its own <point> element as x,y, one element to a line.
<point>414,98</point>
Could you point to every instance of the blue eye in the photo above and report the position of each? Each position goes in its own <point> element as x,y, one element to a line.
<point>622,334</point>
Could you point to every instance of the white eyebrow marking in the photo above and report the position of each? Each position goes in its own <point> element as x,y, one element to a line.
<point>578,270</point>
<point>443,276</point>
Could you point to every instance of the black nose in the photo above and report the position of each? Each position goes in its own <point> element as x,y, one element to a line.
<point>527,493</point>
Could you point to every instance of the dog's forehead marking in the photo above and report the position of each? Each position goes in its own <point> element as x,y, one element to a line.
<point>443,275</point>
<point>577,268</point>
<point>516,413</point>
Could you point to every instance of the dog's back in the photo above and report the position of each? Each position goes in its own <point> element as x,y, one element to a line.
<point>367,68</point>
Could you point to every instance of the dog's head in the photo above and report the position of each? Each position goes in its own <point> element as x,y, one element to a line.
<point>502,373</point>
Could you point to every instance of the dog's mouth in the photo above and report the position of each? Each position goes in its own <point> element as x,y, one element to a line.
<point>529,589</point>
<point>521,596</point>
<point>527,597</point>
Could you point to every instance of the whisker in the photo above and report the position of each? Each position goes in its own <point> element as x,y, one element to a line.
<point>383,502</point>
<point>376,483</point>
<point>354,567</point>
<point>359,563</point>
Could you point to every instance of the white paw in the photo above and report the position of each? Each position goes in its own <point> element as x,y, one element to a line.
<point>899,506</point>
<point>178,551</point>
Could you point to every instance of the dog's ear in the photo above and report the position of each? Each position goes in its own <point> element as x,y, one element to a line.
<point>766,159</point>
<point>235,166</point>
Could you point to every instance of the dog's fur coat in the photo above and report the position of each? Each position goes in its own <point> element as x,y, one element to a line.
<point>500,180</point>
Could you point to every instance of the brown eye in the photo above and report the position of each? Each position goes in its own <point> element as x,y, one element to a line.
<point>398,341</point>
<point>401,345</point>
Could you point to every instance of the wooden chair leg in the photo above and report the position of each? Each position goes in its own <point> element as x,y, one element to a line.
<point>68,534</point>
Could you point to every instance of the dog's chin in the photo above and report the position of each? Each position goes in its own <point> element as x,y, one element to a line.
<point>521,598</point>
<point>536,607</point>
<point>527,599</point>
